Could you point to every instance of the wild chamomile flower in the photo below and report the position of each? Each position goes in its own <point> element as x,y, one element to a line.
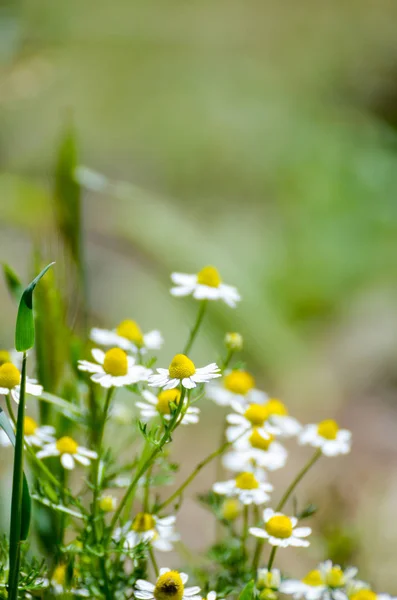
<point>11,356</point>
<point>10,379</point>
<point>268,583</point>
<point>236,386</point>
<point>281,530</point>
<point>270,417</point>
<point>335,579</point>
<point>205,285</point>
<point>160,405</point>
<point>37,435</point>
<point>327,436</point>
<point>359,590</point>
<point>114,368</point>
<point>59,583</point>
<point>107,503</point>
<point>128,336</point>
<point>248,487</point>
<point>256,450</point>
<point>247,419</point>
<point>311,587</point>
<point>69,451</point>
<point>160,532</point>
<point>170,585</point>
<point>182,371</point>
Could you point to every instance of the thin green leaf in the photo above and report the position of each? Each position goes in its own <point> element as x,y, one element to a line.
<point>24,331</point>
<point>66,407</point>
<point>13,282</point>
<point>26,499</point>
<point>247,592</point>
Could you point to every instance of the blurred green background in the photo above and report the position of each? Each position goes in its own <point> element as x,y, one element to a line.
<point>260,137</point>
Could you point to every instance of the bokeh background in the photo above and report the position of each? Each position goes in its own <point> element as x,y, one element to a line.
<point>258,136</point>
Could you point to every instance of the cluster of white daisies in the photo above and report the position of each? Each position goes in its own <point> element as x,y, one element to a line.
<point>256,428</point>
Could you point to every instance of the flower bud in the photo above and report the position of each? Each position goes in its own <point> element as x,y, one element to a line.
<point>231,509</point>
<point>268,594</point>
<point>107,503</point>
<point>234,341</point>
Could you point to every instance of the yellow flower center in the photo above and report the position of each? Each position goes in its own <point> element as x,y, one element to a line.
<point>313,578</point>
<point>59,575</point>
<point>115,362</point>
<point>181,367</point>
<point>335,577</point>
<point>131,331</point>
<point>231,509</point>
<point>276,407</point>
<point>107,504</point>
<point>364,594</point>
<point>9,376</point>
<point>279,526</point>
<point>4,357</point>
<point>165,398</point>
<point>209,276</point>
<point>29,426</point>
<point>169,587</point>
<point>246,481</point>
<point>239,382</point>
<point>67,445</point>
<point>256,414</point>
<point>328,429</point>
<point>259,442</point>
<point>143,522</point>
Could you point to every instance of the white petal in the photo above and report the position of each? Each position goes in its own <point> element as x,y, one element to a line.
<point>302,531</point>
<point>86,365</point>
<point>164,570</point>
<point>85,452</point>
<point>83,460</point>
<point>258,532</point>
<point>34,390</point>
<point>98,355</point>
<point>183,279</point>
<point>142,584</point>
<point>192,591</point>
<point>184,577</point>
<point>143,595</point>
<point>181,291</point>
<point>188,383</point>
<point>67,461</point>
<point>153,340</point>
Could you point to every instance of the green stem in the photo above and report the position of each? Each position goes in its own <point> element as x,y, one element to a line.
<point>146,497</point>
<point>297,479</point>
<point>154,562</point>
<point>227,360</point>
<point>196,326</point>
<point>148,462</point>
<point>17,487</point>
<point>271,558</point>
<point>9,408</point>
<point>196,471</point>
<point>97,482</point>
<point>245,531</point>
<point>280,506</point>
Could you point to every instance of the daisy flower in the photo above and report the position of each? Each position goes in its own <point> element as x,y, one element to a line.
<point>270,418</point>
<point>114,368</point>
<point>256,450</point>
<point>182,371</point>
<point>335,579</point>
<point>246,487</point>
<point>327,436</point>
<point>160,405</point>
<point>237,386</point>
<point>127,336</point>
<point>11,356</point>
<point>311,587</point>
<point>69,452</point>
<point>170,585</point>
<point>205,285</point>
<point>268,580</point>
<point>359,590</point>
<point>149,528</point>
<point>58,583</point>
<point>247,419</point>
<point>10,379</point>
<point>281,530</point>
<point>36,435</point>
